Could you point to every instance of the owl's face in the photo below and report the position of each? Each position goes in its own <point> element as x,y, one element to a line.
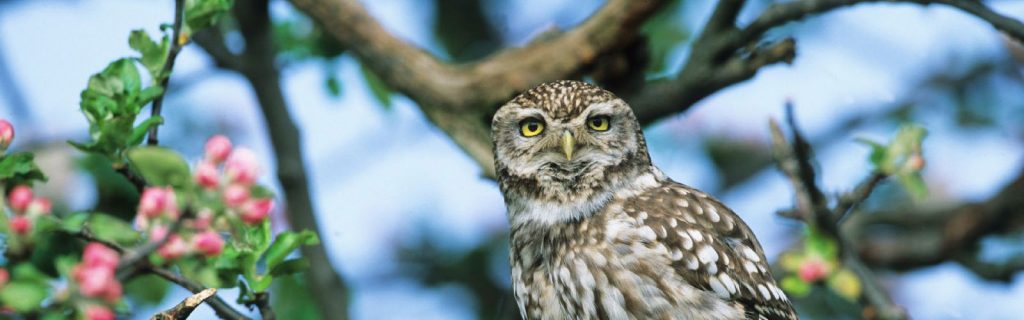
<point>565,140</point>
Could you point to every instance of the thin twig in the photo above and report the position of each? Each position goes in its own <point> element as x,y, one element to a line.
<point>185,308</point>
<point>263,304</point>
<point>849,201</point>
<point>177,41</point>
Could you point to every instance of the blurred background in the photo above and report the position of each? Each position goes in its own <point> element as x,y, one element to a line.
<point>414,229</point>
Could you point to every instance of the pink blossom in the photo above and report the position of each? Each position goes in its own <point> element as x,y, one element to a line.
<point>242,167</point>
<point>206,175</point>
<point>812,270</point>
<point>204,218</point>
<point>20,225</point>
<point>38,207</point>
<point>6,134</point>
<point>97,255</point>
<point>158,201</point>
<point>113,292</point>
<point>4,277</point>
<point>158,233</point>
<point>209,243</point>
<point>217,148</point>
<point>93,281</point>
<point>98,312</point>
<point>19,198</point>
<point>257,210</point>
<point>235,195</point>
<point>173,249</point>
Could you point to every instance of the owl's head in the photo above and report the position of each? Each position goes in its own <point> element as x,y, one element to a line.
<point>566,139</point>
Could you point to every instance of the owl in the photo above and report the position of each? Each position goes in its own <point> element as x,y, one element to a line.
<point>598,232</point>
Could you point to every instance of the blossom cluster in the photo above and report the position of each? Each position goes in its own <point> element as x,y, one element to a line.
<point>27,208</point>
<point>225,174</point>
<point>95,279</point>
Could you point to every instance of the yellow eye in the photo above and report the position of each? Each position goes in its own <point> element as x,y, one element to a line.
<point>599,123</point>
<point>531,127</point>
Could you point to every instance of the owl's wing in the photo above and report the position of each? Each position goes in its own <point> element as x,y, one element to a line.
<point>711,248</point>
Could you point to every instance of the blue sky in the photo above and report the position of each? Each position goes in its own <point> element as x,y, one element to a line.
<point>378,175</point>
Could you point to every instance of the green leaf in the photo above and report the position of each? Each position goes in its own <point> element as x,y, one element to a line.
<point>333,85</point>
<point>818,243</point>
<point>380,90</point>
<point>74,222</point>
<point>20,168</point>
<point>110,228</point>
<point>914,184</point>
<point>287,242</point>
<point>201,14</point>
<point>154,55</point>
<point>147,290</point>
<point>290,266</point>
<point>160,166</point>
<point>140,131</point>
<point>795,287</point>
<point>24,296</point>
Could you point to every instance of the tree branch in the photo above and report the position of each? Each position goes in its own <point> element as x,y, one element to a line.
<point>176,42</point>
<point>794,160</point>
<point>185,308</point>
<point>223,310</point>
<point>460,99</point>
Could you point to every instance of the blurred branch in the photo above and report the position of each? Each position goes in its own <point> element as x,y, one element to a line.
<point>794,159</point>
<point>263,304</point>
<point>907,239</point>
<point>176,42</point>
<point>460,98</point>
<point>257,64</point>
<point>185,308</point>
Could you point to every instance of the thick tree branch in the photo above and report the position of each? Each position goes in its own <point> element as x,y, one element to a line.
<point>460,99</point>
<point>220,307</point>
<point>177,41</point>
<point>907,239</point>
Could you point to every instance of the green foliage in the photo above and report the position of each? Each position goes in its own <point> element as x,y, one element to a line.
<point>19,168</point>
<point>380,90</point>
<point>27,289</point>
<point>292,297</point>
<point>202,14</point>
<point>665,32</point>
<point>902,158</point>
<point>147,289</point>
<point>161,167</point>
<point>111,102</point>
<point>154,55</point>
<point>258,258</point>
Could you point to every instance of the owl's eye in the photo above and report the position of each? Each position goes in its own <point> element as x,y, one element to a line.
<point>599,123</point>
<point>531,127</point>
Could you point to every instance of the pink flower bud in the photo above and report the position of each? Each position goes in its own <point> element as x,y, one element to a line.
<point>915,162</point>
<point>20,225</point>
<point>98,312</point>
<point>97,255</point>
<point>158,201</point>
<point>4,277</point>
<point>217,148</point>
<point>206,175</point>
<point>19,198</point>
<point>242,167</point>
<point>39,207</point>
<point>209,243</point>
<point>203,220</point>
<point>173,249</point>
<point>812,270</point>
<point>235,195</point>
<point>6,134</point>
<point>93,282</point>
<point>158,233</point>
<point>113,292</point>
<point>257,210</point>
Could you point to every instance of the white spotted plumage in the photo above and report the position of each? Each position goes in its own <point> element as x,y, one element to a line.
<point>601,233</point>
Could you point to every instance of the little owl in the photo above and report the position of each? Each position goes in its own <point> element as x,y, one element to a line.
<point>598,232</point>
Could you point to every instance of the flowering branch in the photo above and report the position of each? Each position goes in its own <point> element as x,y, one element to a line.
<point>794,159</point>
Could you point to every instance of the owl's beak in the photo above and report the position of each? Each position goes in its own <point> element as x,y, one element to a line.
<point>568,144</point>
